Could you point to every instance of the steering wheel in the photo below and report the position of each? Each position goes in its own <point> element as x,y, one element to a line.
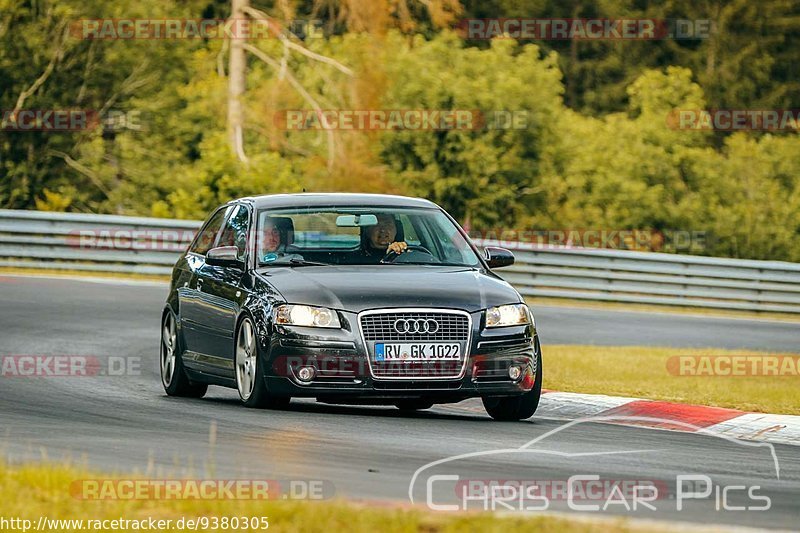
<point>391,255</point>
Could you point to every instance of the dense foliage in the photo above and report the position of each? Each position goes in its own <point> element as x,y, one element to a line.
<point>596,150</point>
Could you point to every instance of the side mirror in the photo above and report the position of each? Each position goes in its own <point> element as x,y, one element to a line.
<point>498,257</point>
<point>225,256</point>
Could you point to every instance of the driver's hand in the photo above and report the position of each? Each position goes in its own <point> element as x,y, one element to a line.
<point>397,247</point>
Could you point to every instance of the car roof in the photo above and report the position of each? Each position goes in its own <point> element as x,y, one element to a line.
<point>335,200</point>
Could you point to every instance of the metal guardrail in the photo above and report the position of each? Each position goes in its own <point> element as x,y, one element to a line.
<point>67,241</point>
<point>104,243</point>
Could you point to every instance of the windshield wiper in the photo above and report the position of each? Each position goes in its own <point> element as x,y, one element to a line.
<point>292,263</point>
<point>459,265</point>
<point>302,262</point>
<point>417,263</point>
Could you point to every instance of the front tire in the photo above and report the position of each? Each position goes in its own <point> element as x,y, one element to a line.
<point>517,407</point>
<point>173,375</point>
<point>250,380</point>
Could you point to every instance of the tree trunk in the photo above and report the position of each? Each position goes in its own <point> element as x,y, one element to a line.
<point>237,73</point>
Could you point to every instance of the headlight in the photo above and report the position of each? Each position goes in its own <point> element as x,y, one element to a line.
<point>305,315</point>
<point>508,315</point>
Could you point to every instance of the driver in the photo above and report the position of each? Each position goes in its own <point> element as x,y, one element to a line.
<point>379,240</point>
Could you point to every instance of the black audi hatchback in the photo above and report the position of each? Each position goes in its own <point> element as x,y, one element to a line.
<point>347,298</point>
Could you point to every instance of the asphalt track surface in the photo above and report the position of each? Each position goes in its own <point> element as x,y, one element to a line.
<point>127,424</point>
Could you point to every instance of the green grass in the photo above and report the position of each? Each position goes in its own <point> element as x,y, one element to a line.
<point>642,372</point>
<point>30,491</point>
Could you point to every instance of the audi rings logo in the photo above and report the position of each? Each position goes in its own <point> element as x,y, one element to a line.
<point>416,325</point>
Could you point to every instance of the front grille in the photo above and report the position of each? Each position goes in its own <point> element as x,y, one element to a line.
<point>380,327</point>
<point>451,327</point>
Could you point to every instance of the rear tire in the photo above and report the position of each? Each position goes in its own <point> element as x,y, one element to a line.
<point>517,407</point>
<point>250,380</point>
<point>414,405</point>
<point>173,375</point>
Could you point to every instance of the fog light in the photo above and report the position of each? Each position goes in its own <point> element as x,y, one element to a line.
<point>514,372</point>
<point>306,373</point>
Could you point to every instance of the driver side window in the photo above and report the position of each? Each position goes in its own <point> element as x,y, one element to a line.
<point>235,231</point>
<point>409,232</point>
<point>204,240</point>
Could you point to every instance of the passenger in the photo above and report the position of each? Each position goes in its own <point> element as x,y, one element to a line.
<point>382,238</point>
<point>271,236</point>
<point>277,235</point>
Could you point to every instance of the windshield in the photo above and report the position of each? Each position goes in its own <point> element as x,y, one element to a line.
<point>360,236</point>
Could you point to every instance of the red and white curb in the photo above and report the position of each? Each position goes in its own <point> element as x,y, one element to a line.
<point>779,429</point>
<point>783,429</point>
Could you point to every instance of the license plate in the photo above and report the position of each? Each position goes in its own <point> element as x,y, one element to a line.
<point>437,351</point>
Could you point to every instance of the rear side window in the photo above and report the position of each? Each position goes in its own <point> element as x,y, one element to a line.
<point>205,239</point>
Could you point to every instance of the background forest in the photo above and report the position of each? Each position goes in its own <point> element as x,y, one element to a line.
<point>597,151</point>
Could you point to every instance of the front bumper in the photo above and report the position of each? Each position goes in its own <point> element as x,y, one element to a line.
<point>342,370</point>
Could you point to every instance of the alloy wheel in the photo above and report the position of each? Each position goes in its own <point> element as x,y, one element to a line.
<point>169,341</point>
<point>246,355</point>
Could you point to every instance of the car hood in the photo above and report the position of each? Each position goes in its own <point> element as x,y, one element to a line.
<point>358,288</point>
